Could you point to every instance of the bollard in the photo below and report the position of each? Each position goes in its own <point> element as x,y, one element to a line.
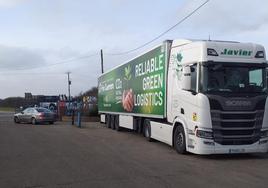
<point>79,119</point>
<point>72,117</point>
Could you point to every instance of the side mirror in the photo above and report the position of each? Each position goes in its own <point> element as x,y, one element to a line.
<point>186,78</point>
<point>22,112</point>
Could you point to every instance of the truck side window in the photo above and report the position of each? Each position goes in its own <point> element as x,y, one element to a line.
<point>255,77</point>
<point>193,76</point>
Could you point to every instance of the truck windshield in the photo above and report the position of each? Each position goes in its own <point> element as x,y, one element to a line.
<point>233,78</point>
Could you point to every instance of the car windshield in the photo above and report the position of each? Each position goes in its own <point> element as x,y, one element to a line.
<point>26,110</point>
<point>43,110</point>
<point>233,78</point>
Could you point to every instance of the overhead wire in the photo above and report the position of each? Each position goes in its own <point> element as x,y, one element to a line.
<point>54,64</point>
<point>162,34</point>
<point>120,53</point>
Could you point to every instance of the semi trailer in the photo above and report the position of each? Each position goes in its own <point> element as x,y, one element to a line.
<point>203,97</point>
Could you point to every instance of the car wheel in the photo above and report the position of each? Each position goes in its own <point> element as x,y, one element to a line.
<point>51,122</point>
<point>16,120</point>
<point>33,121</point>
<point>147,130</point>
<point>179,140</point>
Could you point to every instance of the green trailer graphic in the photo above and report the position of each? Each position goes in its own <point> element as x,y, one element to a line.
<point>136,87</point>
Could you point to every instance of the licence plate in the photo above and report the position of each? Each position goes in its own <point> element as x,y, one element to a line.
<point>237,150</point>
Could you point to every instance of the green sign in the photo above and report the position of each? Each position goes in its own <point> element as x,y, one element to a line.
<point>138,86</point>
<point>238,52</point>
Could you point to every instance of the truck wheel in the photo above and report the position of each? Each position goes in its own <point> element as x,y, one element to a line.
<point>109,121</point>
<point>140,125</point>
<point>106,119</point>
<point>116,123</point>
<point>179,140</point>
<point>113,122</point>
<point>147,130</point>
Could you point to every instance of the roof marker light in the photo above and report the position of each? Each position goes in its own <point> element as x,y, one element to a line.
<point>212,52</point>
<point>259,54</point>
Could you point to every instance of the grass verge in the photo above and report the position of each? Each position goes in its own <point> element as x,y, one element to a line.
<point>6,109</point>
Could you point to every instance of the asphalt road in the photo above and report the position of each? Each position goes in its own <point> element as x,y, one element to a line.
<point>62,155</point>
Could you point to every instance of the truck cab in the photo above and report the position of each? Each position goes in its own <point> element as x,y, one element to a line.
<point>217,92</point>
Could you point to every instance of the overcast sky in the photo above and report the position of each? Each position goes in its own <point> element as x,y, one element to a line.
<point>39,37</point>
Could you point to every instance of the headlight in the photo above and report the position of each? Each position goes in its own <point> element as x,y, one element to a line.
<point>204,134</point>
<point>264,134</point>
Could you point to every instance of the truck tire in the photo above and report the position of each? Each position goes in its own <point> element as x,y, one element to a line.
<point>147,130</point>
<point>179,140</point>
<point>116,123</point>
<point>140,125</point>
<point>108,121</point>
<point>113,122</point>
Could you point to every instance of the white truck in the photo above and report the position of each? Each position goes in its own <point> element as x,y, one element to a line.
<point>203,97</point>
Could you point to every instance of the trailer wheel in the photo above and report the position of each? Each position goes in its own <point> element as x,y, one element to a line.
<point>113,121</point>
<point>116,123</point>
<point>109,121</point>
<point>179,140</point>
<point>147,130</point>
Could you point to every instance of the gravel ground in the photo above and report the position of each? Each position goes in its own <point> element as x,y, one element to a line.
<point>62,155</point>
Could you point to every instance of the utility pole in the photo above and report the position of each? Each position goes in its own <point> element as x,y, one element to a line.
<point>102,71</point>
<point>69,88</point>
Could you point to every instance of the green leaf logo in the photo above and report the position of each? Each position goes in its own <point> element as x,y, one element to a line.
<point>128,73</point>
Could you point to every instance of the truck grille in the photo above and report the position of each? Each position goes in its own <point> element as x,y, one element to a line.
<point>236,127</point>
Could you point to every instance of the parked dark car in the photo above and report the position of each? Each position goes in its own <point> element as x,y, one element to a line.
<point>35,115</point>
